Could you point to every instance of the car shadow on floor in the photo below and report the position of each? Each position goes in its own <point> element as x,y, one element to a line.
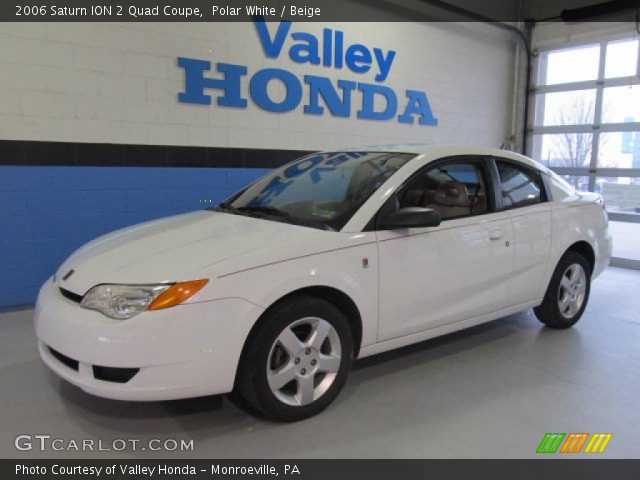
<point>448,344</point>
<point>421,353</point>
<point>214,415</point>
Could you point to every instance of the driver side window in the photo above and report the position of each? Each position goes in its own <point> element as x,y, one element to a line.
<point>456,189</point>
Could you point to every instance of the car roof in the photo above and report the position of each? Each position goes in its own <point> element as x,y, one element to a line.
<point>436,151</point>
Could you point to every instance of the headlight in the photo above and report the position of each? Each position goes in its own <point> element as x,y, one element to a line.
<point>125,301</point>
<point>122,301</point>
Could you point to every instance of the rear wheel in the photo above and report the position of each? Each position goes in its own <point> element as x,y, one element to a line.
<point>297,360</point>
<point>568,292</point>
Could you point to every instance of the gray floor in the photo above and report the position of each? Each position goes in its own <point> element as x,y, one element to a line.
<point>491,391</point>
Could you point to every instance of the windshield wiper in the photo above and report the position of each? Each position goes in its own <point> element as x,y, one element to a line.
<point>223,207</point>
<point>250,209</point>
<point>273,211</point>
<point>269,210</point>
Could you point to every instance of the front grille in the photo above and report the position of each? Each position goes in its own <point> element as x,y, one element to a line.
<point>69,362</point>
<point>74,297</point>
<point>113,374</point>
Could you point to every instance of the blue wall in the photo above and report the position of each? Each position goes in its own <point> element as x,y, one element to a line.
<point>47,212</point>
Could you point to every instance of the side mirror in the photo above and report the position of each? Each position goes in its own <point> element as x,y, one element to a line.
<point>411,217</point>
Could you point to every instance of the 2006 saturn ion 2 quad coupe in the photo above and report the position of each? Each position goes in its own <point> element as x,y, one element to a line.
<point>332,257</point>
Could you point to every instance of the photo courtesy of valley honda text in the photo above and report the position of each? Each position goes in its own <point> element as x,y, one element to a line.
<point>324,240</point>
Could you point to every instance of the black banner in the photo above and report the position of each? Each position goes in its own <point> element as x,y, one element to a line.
<point>311,10</point>
<point>542,469</point>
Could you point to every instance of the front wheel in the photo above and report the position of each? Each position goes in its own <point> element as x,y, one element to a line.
<point>567,294</point>
<point>297,360</point>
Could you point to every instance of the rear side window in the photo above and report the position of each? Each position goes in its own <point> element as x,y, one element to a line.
<point>519,185</point>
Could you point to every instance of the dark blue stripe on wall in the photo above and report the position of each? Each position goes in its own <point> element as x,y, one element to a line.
<point>46,212</point>
<point>28,152</point>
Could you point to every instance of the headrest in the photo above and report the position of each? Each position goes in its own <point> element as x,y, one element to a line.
<point>451,194</point>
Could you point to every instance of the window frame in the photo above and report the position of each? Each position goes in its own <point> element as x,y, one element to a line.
<point>592,171</point>
<point>482,161</point>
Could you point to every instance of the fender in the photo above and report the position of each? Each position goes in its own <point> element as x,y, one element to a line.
<point>263,285</point>
<point>570,226</point>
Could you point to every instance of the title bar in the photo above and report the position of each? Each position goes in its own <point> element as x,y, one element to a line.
<point>278,10</point>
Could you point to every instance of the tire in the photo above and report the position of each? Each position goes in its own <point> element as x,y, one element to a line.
<point>296,361</point>
<point>567,294</point>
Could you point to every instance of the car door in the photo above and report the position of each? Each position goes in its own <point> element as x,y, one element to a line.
<point>461,269</point>
<point>523,195</point>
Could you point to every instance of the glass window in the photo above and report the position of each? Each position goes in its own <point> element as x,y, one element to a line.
<point>321,190</point>
<point>569,65</point>
<point>570,150</point>
<point>452,189</point>
<point>619,150</point>
<point>621,194</point>
<point>613,134</point>
<point>621,104</point>
<point>565,108</point>
<point>519,186</point>
<point>621,59</point>
<point>579,182</point>
<point>625,243</point>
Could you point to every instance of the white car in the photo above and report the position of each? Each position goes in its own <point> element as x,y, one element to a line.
<point>335,256</point>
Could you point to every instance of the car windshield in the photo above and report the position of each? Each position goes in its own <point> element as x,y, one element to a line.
<point>322,190</point>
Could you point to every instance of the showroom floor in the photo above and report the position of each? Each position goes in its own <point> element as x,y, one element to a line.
<point>492,391</point>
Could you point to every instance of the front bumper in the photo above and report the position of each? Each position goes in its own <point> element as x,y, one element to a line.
<point>185,351</point>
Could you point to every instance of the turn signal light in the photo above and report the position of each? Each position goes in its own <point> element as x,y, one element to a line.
<point>177,294</point>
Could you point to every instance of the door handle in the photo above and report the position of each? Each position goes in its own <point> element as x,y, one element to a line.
<point>496,234</point>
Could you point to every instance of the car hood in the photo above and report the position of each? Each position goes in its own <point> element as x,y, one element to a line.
<point>171,249</point>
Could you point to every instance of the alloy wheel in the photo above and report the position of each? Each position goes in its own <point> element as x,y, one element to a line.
<point>304,361</point>
<point>572,291</point>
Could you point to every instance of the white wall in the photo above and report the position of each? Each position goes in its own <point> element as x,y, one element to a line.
<point>118,83</point>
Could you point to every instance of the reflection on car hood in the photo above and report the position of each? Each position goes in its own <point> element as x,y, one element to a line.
<point>169,249</point>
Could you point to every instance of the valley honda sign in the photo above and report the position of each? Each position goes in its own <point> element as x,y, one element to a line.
<point>329,51</point>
